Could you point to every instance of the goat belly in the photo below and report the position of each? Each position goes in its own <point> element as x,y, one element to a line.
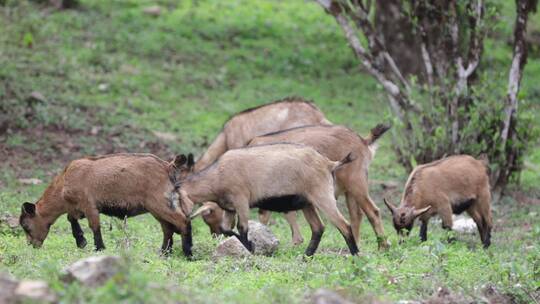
<point>284,203</point>
<point>121,212</point>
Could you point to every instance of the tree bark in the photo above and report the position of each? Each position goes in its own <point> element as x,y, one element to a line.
<point>519,59</point>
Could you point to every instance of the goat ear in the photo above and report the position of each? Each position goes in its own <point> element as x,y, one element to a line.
<point>418,212</point>
<point>28,209</point>
<point>179,160</point>
<point>190,161</point>
<point>391,207</point>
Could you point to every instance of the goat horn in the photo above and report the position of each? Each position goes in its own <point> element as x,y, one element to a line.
<point>200,211</point>
<point>389,205</point>
<point>418,212</point>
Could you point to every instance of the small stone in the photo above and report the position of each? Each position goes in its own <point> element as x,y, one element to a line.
<point>153,10</point>
<point>231,247</point>
<point>10,220</point>
<point>95,130</point>
<point>7,288</point>
<point>30,181</point>
<point>264,241</point>
<point>103,87</point>
<point>36,97</point>
<point>93,271</point>
<point>39,291</point>
<point>325,296</point>
<point>464,225</point>
<point>165,136</point>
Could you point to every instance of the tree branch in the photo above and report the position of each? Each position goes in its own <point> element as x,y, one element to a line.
<point>519,59</point>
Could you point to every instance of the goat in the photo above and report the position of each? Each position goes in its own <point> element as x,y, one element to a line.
<point>447,186</point>
<point>244,126</point>
<point>278,177</point>
<point>120,185</point>
<point>334,142</point>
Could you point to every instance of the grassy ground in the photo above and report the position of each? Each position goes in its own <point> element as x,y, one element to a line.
<point>113,78</point>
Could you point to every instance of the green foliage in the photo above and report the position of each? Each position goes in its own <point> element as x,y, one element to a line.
<point>480,123</point>
<point>185,72</point>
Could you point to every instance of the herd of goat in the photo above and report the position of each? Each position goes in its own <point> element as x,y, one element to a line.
<point>282,157</point>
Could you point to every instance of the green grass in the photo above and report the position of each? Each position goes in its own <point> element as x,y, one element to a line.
<point>107,64</point>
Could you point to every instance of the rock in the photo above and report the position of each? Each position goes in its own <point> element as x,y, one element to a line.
<point>95,130</point>
<point>7,288</point>
<point>165,136</point>
<point>231,247</point>
<point>464,225</point>
<point>30,181</point>
<point>103,87</point>
<point>445,296</point>
<point>264,241</point>
<point>493,296</point>
<point>325,296</point>
<point>154,10</point>
<point>35,97</point>
<point>38,291</point>
<point>93,271</point>
<point>10,220</point>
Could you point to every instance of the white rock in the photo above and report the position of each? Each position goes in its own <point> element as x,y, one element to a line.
<point>7,288</point>
<point>231,247</point>
<point>38,291</point>
<point>325,296</point>
<point>165,136</point>
<point>92,271</point>
<point>10,220</point>
<point>264,241</point>
<point>30,181</point>
<point>464,225</point>
<point>154,10</point>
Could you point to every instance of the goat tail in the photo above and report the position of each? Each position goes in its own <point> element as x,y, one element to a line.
<point>349,158</point>
<point>376,132</point>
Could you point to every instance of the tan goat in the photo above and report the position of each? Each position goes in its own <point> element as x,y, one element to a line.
<point>120,185</point>
<point>244,126</point>
<point>241,128</point>
<point>334,142</point>
<point>277,177</point>
<point>445,187</point>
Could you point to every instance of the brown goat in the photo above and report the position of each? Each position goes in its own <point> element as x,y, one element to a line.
<point>445,187</point>
<point>277,177</point>
<point>241,128</point>
<point>335,142</point>
<point>244,126</point>
<point>120,185</point>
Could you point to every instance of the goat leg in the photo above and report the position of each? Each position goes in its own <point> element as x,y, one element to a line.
<point>77,232</point>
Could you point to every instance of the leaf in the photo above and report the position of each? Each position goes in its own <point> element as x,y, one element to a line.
<point>28,40</point>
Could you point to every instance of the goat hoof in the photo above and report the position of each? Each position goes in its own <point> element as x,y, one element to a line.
<point>81,243</point>
<point>384,244</point>
<point>100,248</point>
<point>297,242</point>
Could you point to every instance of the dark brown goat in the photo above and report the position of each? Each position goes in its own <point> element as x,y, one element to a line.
<point>445,187</point>
<point>121,185</point>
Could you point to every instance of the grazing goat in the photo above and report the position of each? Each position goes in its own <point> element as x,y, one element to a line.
<point>335,142</point>
<point>120,185</point>
<point>445,187</point>
<point>241,128</point>
<point>277,177</point>
<point>244,126</point>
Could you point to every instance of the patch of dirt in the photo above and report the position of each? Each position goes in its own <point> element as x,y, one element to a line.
<point>52,147</point>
